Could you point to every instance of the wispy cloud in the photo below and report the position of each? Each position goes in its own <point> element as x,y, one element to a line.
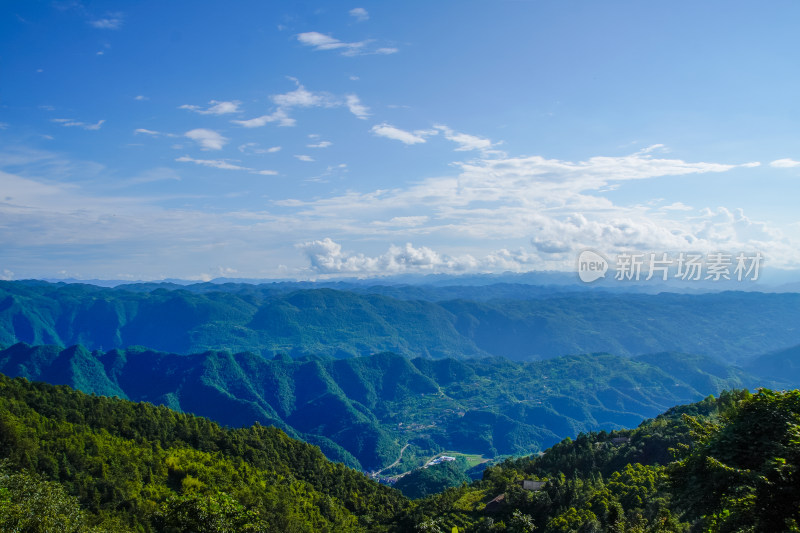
<point>465,142</point>
<point>322,42</point>
<point>306,158</point>
<point>253,148</point>
<point>215,107</point>
<point>111,22</point>
<point>321,144</point>
<point>140,98</point>
<point>303,98</point>
<point>68,122</point>
<point>407,137</point>
<point>280,116</point>
<point>207,139</point>
<point>356,107</point>
<point>785,163</point>
<point>224,164</point>
<point>360,14</point>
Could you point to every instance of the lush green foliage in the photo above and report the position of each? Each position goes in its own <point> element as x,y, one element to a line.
<point>278,318</point>
<point>362,410</point>
<point>433,479</point>
<point>84,463</point>
<point>721,465</point>
<point>152,469</point>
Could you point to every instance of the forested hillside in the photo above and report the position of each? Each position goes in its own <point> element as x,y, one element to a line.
<point>270,319</point>
<point>363,410</point>
<point>76,463</point>
<point>134,466</point>
<point>726,465</point>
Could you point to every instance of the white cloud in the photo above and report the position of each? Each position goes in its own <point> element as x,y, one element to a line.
<point>306,158</point>
<point>465,142</point>
<point>215,107</point>
<point>140,98</point>
<point>356,107</point>
<point>252,148</point>
<point>360,14</point>
<point>301,97</point>
<point>407,137</point>
<point>112,22</point>
<point>326,257</point>
<point>785,163</point>
<point>280,116</point>
<point>552,205</point>
<point>322,144</point>
<point>213,163</point>
<point>224,164</point>
<point>514,213</point>
<point>676,206</point>
<point>68,122</point>
<point>207,139</point>
<point>322,42</point>
<point>146,132</point>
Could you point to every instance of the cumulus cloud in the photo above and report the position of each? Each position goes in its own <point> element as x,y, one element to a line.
<point>68,122</point>
<point>321,144</point>
<point>327,257</point>
<point>207,139</point>
<point>306,158</point>
<point>406,137</point>
<point>359,13</point>
<point>551,205</point>
<point>215,107</point>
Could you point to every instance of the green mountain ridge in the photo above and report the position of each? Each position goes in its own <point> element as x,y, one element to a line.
<point>363,410</point>
<point>321,321</point>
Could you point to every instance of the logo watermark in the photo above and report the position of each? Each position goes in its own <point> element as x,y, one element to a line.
<point>684,266</point>
<point>591,266</point>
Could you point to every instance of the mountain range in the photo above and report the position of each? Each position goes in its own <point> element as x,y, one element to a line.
<point>370,412</point>
<point>514,321</point>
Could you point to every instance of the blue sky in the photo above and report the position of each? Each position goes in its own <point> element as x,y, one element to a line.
<point>144,140</point>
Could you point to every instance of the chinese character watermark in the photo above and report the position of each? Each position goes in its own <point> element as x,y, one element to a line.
<point>683,266</point>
